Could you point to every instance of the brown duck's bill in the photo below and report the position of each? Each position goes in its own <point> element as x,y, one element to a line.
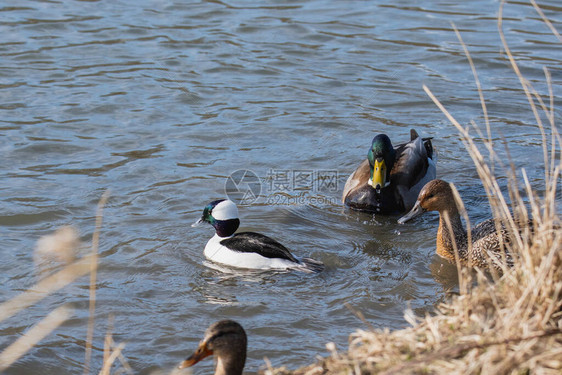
<point>201,353</point>
<point>417,210</point>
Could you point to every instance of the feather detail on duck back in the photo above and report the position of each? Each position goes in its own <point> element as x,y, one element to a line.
<point>251,242</point>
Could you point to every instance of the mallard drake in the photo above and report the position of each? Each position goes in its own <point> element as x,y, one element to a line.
<point>389,180</point>
<point>247,249</point>
<point>227,341</point>
<point>486,248</point>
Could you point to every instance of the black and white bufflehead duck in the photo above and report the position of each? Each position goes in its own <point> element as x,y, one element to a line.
<point>247,249</point>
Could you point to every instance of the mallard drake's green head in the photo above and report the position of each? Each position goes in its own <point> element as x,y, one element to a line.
<point>381,158</point>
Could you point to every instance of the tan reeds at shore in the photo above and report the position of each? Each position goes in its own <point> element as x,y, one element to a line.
<point>507,324</point>
<point>35,334</point>
<point>61,247</point>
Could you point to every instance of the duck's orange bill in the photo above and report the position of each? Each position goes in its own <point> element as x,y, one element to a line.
<point>201,352</point>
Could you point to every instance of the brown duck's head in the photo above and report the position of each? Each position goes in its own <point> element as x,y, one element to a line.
<point>227,341</point>
<point>436,195</point>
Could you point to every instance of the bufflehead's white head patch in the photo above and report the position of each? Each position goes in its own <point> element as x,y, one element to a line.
<point>222,210</point>
<point>225,210</point>
<point>222,214</point>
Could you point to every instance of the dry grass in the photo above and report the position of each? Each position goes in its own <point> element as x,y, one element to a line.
<point>60,248</point>
<point>35,334</point>
<point>507,324</point>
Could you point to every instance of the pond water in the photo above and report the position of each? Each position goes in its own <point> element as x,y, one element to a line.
<point>162,101</point>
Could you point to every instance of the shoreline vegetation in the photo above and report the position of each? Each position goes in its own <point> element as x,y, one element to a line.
<point>498,324</point>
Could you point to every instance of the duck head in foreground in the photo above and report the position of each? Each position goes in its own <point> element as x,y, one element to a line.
<point>247,249</point>
<point>487,243</point>
<point>389,180</point>
<point>227,341</point>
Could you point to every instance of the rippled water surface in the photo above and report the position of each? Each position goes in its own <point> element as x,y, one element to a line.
<point>161,101</point>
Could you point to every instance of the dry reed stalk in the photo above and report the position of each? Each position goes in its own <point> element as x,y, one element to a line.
<point>114,354</point>
<point>111,352</point>
<point>93,275</point>
<point>108,341</point>
<point>35,334</point>
<point>45,287</point>
<point>509,325</point>
<point>51,284</point>
<point>546,20</point>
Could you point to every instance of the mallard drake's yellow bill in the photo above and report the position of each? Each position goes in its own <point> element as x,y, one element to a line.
<point>378,179</point>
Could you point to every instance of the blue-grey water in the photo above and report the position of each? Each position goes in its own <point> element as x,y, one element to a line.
<point>161,101</point>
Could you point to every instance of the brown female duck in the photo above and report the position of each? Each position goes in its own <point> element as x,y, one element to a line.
<point>486,246</point>
<point>227,341</point>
